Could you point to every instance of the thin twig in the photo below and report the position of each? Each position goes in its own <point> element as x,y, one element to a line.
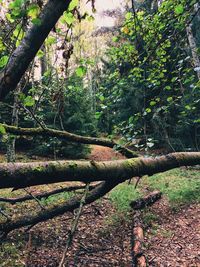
<point>37,200</point>
<point>4,214</point>
<point>13,201</point>
<point>74,227</point>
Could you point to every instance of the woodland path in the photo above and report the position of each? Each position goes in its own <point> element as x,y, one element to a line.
<point>171,239</point>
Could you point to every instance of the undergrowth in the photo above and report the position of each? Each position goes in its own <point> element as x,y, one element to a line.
<point>122,195</point>
<point>181,186</point>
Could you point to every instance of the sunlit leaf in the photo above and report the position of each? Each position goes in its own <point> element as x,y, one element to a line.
<point>33,11</point>
<point>80,71</point>
<point>179,9</point>
<point>50,40</point>
<point>29,101</point>
<point>2,129</point>
<point>73,4</point>
<point>3,61</point>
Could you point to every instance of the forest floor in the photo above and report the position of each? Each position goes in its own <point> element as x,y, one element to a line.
<point>171,226</point>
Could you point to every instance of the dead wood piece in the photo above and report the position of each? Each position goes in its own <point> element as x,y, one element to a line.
<point>74,203</point>
<point>70,137</point>
<point>139,259</point>
<point>142,261</point>
<point>146,201</point>
<point>13,201</point>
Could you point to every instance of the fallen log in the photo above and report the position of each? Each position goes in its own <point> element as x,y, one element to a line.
<point>69,206</point>
<point>70,137</point>
<point>139,258</point>
<point>22,175</point>
<point>146,201</point>
<point>13,201</point>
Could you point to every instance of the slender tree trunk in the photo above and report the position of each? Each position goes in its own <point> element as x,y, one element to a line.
<point>193,48</point>
<point>43,61</point>
<point>14,121</point>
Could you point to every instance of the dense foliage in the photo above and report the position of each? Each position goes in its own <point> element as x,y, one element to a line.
<point>149,87</point>
<point>145,88</point>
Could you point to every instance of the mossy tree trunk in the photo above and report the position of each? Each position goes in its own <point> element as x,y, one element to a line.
<point>20,175</point>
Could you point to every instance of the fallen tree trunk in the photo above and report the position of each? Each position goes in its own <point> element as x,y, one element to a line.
<point>69,137</point>
<point>139,259</point>
<point>21,175</point>
<point>71,205</point>
<point>13,201</point>
<point>29,46</point>
<point>146,201</point>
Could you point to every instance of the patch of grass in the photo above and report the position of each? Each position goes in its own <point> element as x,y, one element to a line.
<point>122,195</point>
<point>56,199</point>
<point>181,186</point>
<point>149,218</point>
<point>10,254</point>
<point>166,233</point>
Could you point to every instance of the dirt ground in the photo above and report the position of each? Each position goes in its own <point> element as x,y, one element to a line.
<point>172,238</point>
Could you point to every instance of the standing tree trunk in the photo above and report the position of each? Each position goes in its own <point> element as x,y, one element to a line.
<point>43,61</point>
<point>193,47</point>
<point>14,121</point>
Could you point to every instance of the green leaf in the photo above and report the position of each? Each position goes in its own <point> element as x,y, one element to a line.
<point>148,110</point>
<point>47,73</point>
<point>167,87</point>
<point>2,46</point>
<point>9,18</point>
<point>187,107</point>
<point>73,4</point>
<point>128,15</point>
<point>29,101</point>
<point>2,129</point>
<point>101,97</point>
<point>16,4</point>
<point>80,71</point>
<point>40,54</point>
<point>115,39</point>
<point>97,115</point>
<point>179,9</point>
<point>169,99</point>
<point>90,18</point>
<point>67,18</point>
<point>3,61</point>
<point>152,103</point>
<point>33,11</point>
<point>50,40</point>
<point>36,21</point>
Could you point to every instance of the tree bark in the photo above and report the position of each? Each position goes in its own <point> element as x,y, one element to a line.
<point>13,201</point>
<point>193,47</point>
<point>14,121</point>
<point>20,175</point>
<point>50,213</point>
<point>69,137</point>
<point>26,51</point>
<point>146,201</point>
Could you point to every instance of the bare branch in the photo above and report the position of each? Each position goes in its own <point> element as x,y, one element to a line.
<point>69,137</point>
<point>45,194</point>
<point>50,213</point>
